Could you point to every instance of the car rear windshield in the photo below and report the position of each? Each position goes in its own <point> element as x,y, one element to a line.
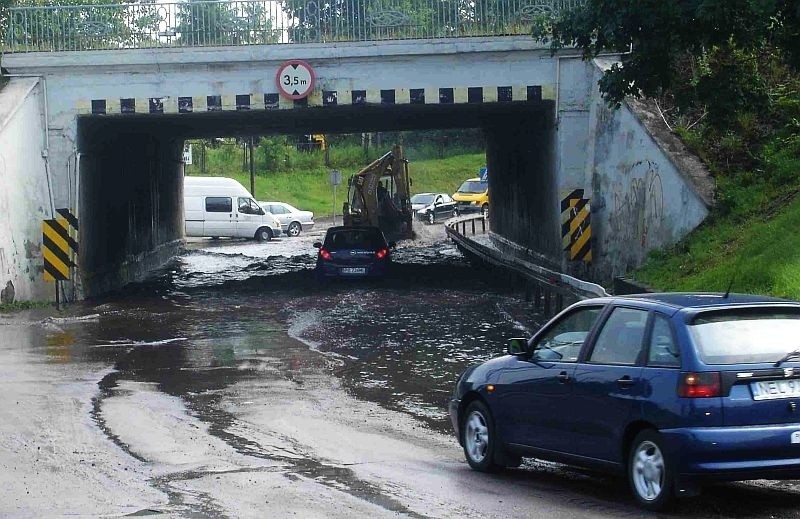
<point>422,199</point>
<point>472,186</point>
<point>746,336</point>
<point>371,239</point>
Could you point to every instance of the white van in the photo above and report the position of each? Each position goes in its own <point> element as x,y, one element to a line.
<point>222,207</point>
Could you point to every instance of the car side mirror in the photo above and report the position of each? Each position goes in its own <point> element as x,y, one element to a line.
<point>317,244</point>
<point>517,346</point>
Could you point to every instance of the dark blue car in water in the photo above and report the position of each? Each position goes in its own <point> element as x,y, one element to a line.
<point>353,252</point>
<point>673,390</point>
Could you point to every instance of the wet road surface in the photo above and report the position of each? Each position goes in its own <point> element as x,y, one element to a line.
<point>233,385</point>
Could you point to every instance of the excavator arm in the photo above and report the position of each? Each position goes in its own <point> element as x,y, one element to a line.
<point>379,196</point>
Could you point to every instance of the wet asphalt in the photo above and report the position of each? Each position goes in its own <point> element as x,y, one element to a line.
<point>231,384</point>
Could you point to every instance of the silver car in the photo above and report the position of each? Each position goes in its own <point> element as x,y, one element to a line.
<point>292,220</point>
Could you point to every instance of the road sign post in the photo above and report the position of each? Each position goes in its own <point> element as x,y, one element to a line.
<point>335,178</point>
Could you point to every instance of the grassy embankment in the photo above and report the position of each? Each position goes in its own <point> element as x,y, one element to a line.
<point>302,178</point>
<point>753,234</point>
<point>18,306</point>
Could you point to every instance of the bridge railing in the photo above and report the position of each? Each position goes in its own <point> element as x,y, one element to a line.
<point>148,24</point>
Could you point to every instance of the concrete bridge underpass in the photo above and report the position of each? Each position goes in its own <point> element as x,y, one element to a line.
<point>574,186</point>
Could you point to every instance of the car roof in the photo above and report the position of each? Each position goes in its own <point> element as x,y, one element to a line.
<point>353,228</point>
<point>700,300</point>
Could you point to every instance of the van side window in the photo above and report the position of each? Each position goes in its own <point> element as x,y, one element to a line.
<point>249,206</point>
<point>219,204</point>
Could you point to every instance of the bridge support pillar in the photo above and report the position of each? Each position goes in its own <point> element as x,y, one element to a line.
<point>131,205</point>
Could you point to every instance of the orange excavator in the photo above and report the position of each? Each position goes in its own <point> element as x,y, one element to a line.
<point>378,195</point>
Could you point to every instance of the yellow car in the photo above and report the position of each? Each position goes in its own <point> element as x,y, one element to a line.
<point>473,196</point>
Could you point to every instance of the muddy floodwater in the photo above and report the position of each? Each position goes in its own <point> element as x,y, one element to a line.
<point>231,384</point>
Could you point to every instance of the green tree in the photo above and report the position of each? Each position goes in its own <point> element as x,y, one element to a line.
<point>76,24</point>
<point>212,23</point>
<point>346,20</point>
<point>718,41</point>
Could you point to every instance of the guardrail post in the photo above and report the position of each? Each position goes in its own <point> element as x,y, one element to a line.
<point>483,224</point>
<point>537,297</point>
<point>473,226</point>
<point>559,302</point>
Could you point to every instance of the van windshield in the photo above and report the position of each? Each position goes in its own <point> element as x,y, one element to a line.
<point>473,187</point>
<point>747,335</point>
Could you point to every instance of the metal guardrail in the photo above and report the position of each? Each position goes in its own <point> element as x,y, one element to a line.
<point>146,24</point>
<point>549,288</point>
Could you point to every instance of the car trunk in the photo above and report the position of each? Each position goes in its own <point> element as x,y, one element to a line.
<point>761,394</point>
<point>354,257</point>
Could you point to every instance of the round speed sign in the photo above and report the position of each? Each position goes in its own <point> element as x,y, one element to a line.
<point>295,79</point>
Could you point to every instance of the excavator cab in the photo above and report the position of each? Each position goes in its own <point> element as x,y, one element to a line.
<point>378,195</point>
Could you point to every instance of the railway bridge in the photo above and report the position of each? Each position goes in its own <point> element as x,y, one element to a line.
<point>103,97</point>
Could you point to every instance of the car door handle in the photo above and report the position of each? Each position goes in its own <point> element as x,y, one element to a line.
<point>563,377</point>
<point>625,381</point>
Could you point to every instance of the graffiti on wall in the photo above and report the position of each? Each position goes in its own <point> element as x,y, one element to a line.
<point>637,209</point>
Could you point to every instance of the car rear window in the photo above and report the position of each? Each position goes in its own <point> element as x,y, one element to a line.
<point>422,199</point>
<point>746,336</point>
<point>355,239</point>
<point>471,186</point>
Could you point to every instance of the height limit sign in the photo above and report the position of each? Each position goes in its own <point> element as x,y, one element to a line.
<point>295,79</point>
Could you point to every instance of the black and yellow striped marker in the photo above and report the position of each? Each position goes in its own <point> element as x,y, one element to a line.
<point>59,247</point>
<point>576,226</point>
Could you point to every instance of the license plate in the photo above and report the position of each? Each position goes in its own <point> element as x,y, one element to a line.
<point>796,437</point>
<point>772,389</point>
<point>354,270</point>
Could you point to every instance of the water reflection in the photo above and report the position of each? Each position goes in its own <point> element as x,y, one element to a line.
<point>223,317</point>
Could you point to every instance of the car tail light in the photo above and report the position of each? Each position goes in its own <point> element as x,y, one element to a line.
<point>382,253</point>
<point>700,385</point>
<point>324,254</point>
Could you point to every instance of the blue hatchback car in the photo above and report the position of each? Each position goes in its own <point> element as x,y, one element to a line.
<point>671,389</point>
<point>353,252</point>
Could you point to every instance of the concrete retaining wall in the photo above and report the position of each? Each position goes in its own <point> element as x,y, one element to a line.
<point>642,197</point>
<point>645,190</point>
<point>24,193</point>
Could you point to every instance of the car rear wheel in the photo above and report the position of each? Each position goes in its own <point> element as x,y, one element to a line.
<point>485,210</point>
<point>294,229</point>
<point>650,472</point>
<point>264,234</point>
<point>455,213</point>
<point>431,217</point>
<point>478,437</point>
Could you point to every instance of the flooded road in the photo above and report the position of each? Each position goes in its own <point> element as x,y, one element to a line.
<point>233,385</point>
